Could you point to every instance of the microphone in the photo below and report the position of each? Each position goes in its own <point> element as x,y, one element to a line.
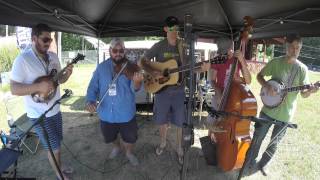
<point>67,93</point>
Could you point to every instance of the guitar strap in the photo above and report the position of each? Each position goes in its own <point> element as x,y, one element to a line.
<point>293,74</point>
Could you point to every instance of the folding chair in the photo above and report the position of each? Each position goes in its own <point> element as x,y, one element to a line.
<point>18,121</point>
<point>9,157</point>
<point>21,125</point>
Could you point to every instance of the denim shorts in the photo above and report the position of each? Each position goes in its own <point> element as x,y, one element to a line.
<point>169,106</point>
<point>127,130</point>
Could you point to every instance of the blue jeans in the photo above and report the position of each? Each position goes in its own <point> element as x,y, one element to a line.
<point>261,130</point>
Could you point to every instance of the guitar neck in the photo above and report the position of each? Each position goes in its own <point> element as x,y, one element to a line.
<point>60,74</point>
<point>216,60</point>
<point>185,68</point>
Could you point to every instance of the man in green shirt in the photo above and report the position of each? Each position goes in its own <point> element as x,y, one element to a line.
<point>291,72</point>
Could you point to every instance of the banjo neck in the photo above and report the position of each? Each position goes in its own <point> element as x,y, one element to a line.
<point>298,88</point>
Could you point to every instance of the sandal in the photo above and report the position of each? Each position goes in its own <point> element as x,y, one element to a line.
<point>180,156</point>
<point>180,159</point>
<point>66,177</point>
<point>159,150</point>
<point>67,170</point>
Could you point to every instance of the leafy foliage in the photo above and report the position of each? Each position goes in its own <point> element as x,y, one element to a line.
<point>8,53</point>
<point>310,51</point>
<point>70,42</point>
<point>11,30</point>
<point>309,54</point>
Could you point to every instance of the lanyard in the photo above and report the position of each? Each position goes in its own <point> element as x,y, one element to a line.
<point>113,81</point>
<point>43,62</point>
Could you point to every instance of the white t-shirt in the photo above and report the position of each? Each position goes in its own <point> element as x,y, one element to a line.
<point>26,68</point>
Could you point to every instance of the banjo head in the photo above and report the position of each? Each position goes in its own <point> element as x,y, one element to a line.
<point>272,101</point>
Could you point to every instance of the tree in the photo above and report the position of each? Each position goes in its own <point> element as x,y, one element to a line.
<point>310,51</point>
<point>309,54</point>
<point>8,53</point>
<point>71,42</point>
<point>11,30</point>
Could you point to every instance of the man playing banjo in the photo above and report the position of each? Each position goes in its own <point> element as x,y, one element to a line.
<point>290,71</point>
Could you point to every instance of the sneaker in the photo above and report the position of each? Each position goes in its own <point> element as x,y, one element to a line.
<point>250,169</point>
<point>133,159</point>
<point>114,153</point>
<point>262,170</point>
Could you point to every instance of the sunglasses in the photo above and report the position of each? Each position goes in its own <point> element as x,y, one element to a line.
<point>46,40</point>
<point>173,28</point>
<point>115,51</point>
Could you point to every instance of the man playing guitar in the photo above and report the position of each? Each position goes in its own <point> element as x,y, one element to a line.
<point>292,72</point>
<point>169,102</point>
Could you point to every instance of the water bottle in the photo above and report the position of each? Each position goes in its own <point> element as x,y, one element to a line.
<point>12,126</point>
<point>10,121</point>
<point>3,138</point>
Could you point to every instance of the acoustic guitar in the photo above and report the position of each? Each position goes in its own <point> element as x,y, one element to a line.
<point>170,72</point>
<point>54,77</point>
<point>281,92</point>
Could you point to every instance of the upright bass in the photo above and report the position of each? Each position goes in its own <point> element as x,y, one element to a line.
<point>234,141</point>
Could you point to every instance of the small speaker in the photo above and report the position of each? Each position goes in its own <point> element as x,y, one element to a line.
<point>209,150</point>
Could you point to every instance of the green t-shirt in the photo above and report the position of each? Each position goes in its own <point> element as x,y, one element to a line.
<point>279,69</point>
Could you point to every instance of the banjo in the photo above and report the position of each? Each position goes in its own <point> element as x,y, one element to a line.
<point>281,92</point>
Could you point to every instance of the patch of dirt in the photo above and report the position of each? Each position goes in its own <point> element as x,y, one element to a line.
<point>83,149</point>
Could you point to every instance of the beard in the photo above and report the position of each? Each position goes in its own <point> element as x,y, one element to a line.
<point>119,61</point>
<point>42,50</point>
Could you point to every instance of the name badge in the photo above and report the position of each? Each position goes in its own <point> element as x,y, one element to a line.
<point>112,90</point>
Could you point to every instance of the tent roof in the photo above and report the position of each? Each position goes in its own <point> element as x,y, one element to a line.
<point>211,18</point>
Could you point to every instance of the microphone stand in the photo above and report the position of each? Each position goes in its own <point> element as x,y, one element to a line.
<point>187,130</point>
<point>39,121</point>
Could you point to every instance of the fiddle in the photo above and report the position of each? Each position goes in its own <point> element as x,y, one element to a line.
<point>129,69</point>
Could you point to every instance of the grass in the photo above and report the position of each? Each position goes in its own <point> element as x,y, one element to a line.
<point>78,83</point>
<point>5,87</point>
<point>297,157</point>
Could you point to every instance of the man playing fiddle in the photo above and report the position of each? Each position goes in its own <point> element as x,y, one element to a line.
<point>115,93</point>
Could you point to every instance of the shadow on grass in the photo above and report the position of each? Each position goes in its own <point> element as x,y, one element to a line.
<point>76,103</point>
